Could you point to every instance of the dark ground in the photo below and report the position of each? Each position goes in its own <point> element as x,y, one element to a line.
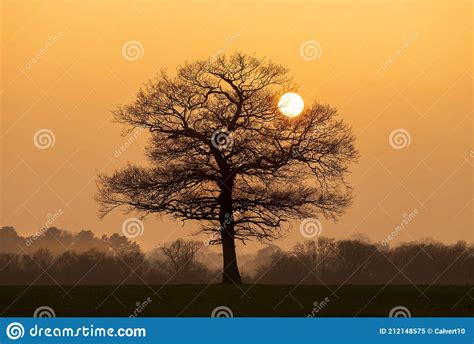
<point>258,300</point>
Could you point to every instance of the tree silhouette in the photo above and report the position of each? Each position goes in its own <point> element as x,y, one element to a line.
<point>223,154</point>
<point>180,254</point>
<point>180,261</point>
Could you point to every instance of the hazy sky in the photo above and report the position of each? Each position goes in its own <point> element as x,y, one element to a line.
<point>388,66</point>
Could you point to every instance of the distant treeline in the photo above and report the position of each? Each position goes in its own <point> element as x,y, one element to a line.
<point>355,262</point>
<point>60,257</point>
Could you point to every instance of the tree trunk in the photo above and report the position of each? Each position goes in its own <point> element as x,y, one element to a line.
<point>230,273</point>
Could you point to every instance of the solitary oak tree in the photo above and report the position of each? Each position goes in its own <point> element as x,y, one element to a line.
<point>223,154</point>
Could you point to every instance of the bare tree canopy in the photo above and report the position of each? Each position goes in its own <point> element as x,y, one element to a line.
<point>180,255</point>
<point>222,153</point>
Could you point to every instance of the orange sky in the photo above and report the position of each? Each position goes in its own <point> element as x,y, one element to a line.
<point>386,65</point>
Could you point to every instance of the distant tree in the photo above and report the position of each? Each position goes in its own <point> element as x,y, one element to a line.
<point>222,153</point>
<point>43,258</point>
<point>307,253</point>
<point>54,239</point>
<point>262,257</point>
<point>316,255</point>
<point>180,255</point>
<point>354,257</point>
<point>64,263</point>
<point>10,242</point>
<point>120,245</point>
<point>327,250</point>
<point>86,240</point>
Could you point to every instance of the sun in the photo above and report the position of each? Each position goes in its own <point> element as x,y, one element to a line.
<point>291,104</point>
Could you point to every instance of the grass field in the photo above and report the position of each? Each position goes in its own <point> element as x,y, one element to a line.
<point>244,301</point>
